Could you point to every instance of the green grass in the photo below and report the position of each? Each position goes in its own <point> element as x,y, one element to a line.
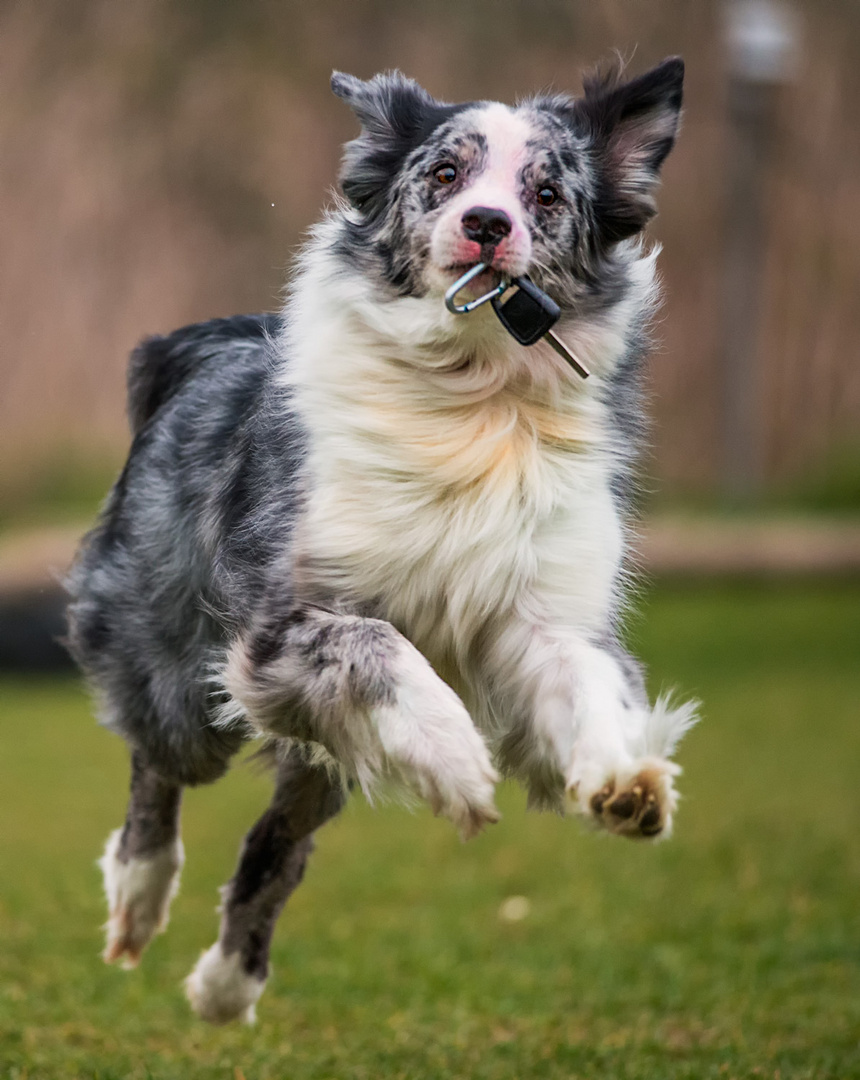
<point>732,951</point>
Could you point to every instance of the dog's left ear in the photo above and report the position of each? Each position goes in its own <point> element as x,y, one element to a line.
<point>631,127</point>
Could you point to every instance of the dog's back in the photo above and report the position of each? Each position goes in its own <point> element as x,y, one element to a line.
<point>160,366</point>
<point>174,550</point>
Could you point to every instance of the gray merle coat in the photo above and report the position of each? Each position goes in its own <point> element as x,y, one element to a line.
<point>385,537</point>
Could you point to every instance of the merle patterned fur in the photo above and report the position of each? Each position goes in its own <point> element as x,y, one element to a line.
<point>200,544</point>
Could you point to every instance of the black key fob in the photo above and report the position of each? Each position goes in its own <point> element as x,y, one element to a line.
<point>528,314</point>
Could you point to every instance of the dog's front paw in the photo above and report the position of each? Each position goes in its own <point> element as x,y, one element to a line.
<point>638,802</point>
<point>466,799</point>
<point>439,755</point>
<point>431,743</point>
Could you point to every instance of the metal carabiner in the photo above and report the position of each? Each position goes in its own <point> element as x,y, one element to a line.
<point>461,283</point>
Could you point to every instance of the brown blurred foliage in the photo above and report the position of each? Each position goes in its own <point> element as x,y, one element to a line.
<point>160,161</point>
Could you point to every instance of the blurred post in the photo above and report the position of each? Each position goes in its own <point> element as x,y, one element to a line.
<point>761,37</point>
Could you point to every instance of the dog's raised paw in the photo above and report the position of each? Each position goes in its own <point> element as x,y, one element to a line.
<point>638,806</point>
<point>467,803</point>
<point>471,818</point>
<point>431,743</point>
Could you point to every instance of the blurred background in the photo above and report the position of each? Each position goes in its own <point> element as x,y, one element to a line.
<point>160,161</point>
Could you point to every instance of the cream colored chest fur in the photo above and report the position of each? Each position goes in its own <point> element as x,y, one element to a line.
<point>448,517</point>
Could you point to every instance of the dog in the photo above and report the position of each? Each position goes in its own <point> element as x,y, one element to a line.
<point>386,538</point>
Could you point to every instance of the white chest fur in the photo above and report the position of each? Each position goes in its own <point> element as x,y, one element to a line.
<point>452,475</point>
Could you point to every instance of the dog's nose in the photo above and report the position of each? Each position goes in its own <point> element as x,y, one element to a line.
<point>485,225</point>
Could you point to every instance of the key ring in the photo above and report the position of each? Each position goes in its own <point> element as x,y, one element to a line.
<point>461,283</point>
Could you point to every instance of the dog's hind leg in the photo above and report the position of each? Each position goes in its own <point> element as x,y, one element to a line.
<point>141,865</point>
<point>231,975</point>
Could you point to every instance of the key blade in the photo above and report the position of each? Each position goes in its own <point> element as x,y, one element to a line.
<point>565,353</point>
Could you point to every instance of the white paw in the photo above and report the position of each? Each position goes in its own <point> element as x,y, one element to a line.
<point>637,801</point>
<point>220,991</point>
<point>138,894</point>
<point>431,742</point>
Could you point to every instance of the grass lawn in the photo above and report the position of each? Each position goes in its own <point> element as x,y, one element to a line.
<point>731,951</point>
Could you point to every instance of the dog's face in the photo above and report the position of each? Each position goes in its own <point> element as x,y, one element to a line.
<point>548,188</point>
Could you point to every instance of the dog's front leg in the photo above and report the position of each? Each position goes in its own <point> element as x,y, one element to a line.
<point>582,732</point>
<point>361,690</point>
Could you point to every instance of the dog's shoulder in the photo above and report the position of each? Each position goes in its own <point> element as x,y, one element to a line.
<point>159,366</point>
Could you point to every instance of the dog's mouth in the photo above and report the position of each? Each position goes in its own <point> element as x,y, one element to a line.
<point>484,282</point>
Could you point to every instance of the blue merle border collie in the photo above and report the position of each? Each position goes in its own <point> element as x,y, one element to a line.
<point>387,538</point>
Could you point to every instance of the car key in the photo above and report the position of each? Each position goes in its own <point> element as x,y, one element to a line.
<point>529,315</point>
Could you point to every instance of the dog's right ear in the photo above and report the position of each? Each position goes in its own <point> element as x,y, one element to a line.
<point>387,105</point>
<point>396,114</point>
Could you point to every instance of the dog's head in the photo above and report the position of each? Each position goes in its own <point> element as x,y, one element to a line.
<point>548,188</point>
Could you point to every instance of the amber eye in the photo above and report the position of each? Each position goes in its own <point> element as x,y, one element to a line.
<point>445,174</point>
<point>547,196</point>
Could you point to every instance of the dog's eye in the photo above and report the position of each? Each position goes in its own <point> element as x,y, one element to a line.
<point>445,174</point>
<point>547,196</point>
